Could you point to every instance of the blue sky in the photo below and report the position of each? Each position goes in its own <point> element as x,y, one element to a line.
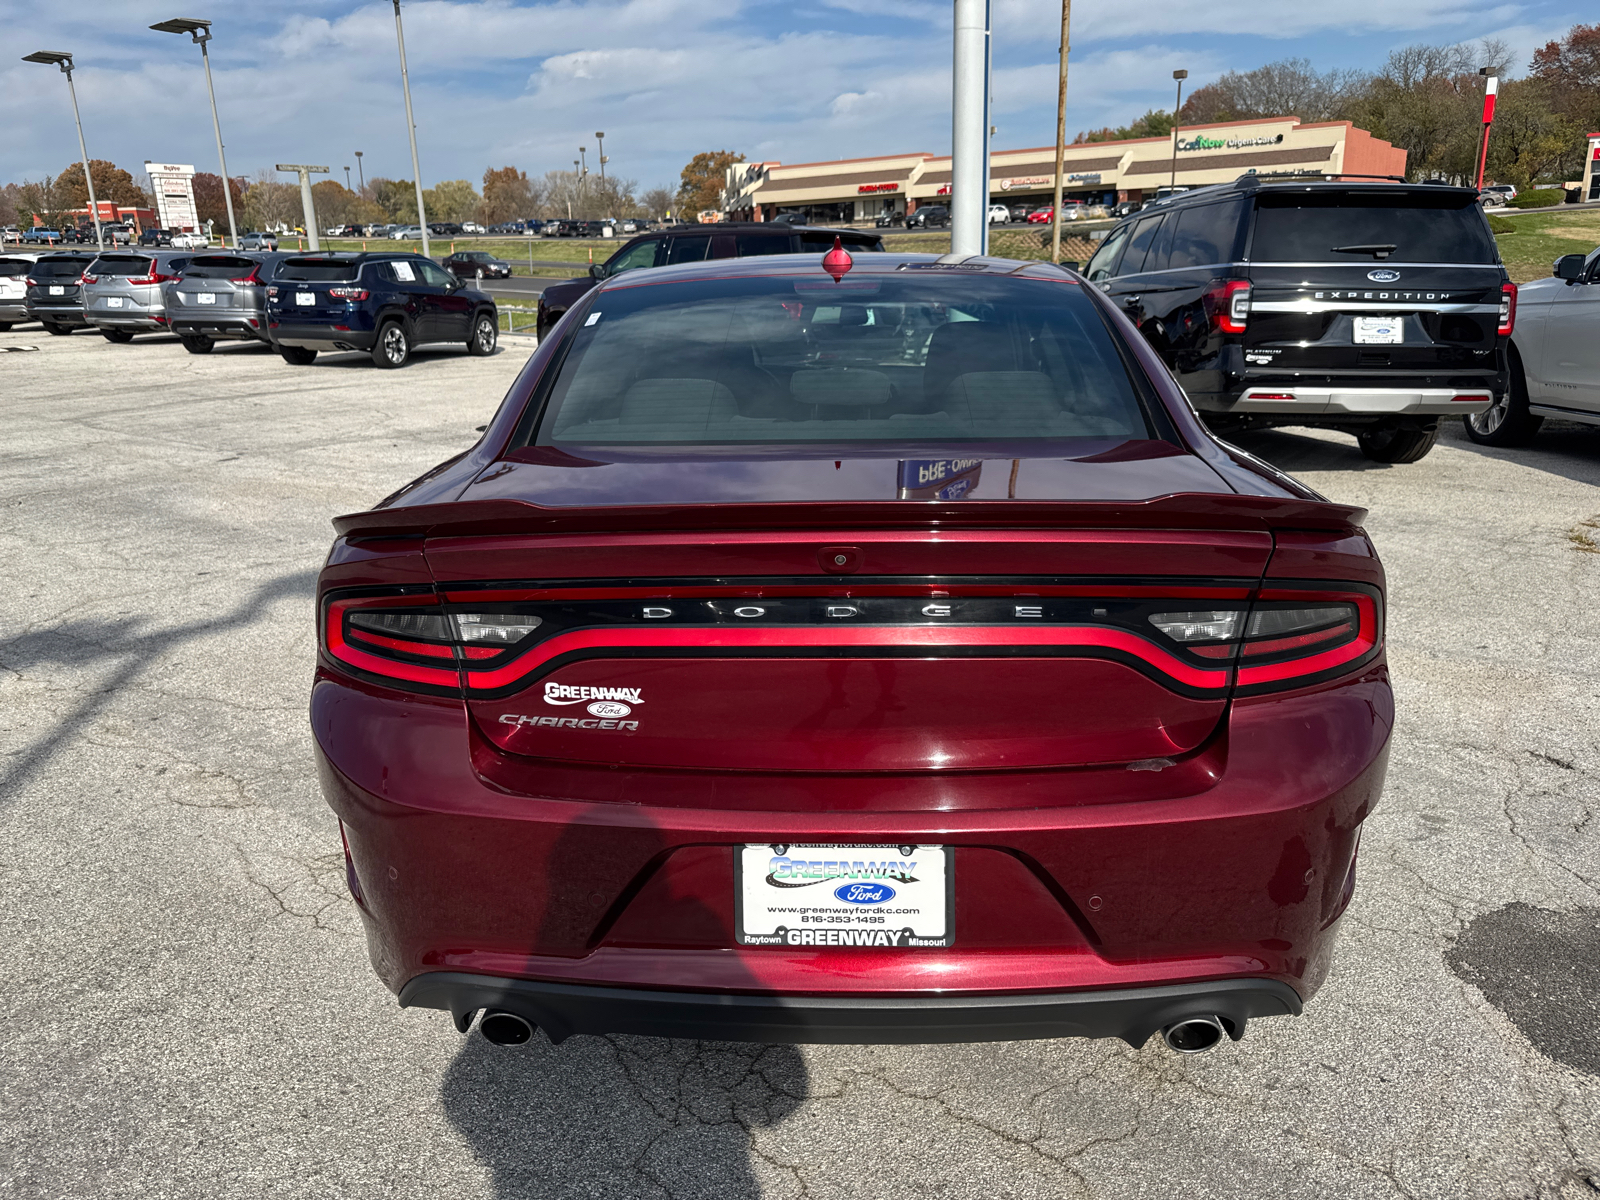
<point>526,82</point>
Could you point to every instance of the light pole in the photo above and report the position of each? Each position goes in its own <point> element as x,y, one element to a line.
<point>200,31</point>
<point>1061,129</point>
<point>1180,76</point>
<point>969,131</point>
<point>360,174</point>
<point>411,129</point>
<point>600,149</point>
<point>62,59</point>
<point>306,201</point>
<point>347,178</point>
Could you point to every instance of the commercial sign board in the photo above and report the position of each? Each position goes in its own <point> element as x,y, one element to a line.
<point>1038,181</point>
<point>173,185</point>
<point>868,189</point>
<point>1201,142</point>
<point>938,478</point>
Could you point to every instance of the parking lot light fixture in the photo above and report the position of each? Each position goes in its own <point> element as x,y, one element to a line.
<point>360,174</point>
<point>1180,76</point>
<point>600,149</point>
<point>411,129</point>
<point>200,31</point>
<point>60,58</point>
<point>306,200</point>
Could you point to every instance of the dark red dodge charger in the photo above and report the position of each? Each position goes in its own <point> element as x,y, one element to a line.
<point>825,652</point>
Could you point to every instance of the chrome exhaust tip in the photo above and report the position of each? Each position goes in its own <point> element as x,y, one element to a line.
<point>505,1029</point>
<point>1194,1035</point>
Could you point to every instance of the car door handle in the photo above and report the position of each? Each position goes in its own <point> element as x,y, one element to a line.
<point>1131,301</point>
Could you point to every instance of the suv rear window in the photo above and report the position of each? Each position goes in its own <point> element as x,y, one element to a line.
<point>901,358</point>
<point>122,264</point>
<point>220,266</point>
<point>14,268</point>
<point>318,268</point>
<point>59,268</point>
<point>1297,227</point>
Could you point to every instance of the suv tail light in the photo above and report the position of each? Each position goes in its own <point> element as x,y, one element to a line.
<point>1229,305</point>
<point>153,277</point>
<point>88,278</point>
<point>253,278</point>
<point>1508,309</point>
<point>348,293</point>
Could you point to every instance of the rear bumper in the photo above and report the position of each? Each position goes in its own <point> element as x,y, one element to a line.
<point>236,327</point>
<point>1334,400</point>
<point>69,315</point>
<point>142,323</point>
<point>321,337</point>
<point>13,310</point>
<point>1131,1014</point>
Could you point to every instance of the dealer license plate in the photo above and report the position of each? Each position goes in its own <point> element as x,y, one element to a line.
<point>57,289</point>
<point>206,298</point>
<point>1380,331</point>
<point>305,297</point>
<point>821,895</point>
<point>113,301</point>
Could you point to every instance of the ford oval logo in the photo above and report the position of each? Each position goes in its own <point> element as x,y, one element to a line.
<point>608,708</point>
<point>864,893</point>
<point>1383,275</point>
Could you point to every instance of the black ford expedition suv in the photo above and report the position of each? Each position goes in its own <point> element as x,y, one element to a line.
<point>696,243</point>
<point>1375,307</point>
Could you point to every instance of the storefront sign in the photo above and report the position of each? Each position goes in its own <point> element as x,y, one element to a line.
<point>1093,177</point>
<point>867,189</point>
<point>1201,142</point>
<point>1036,181</point>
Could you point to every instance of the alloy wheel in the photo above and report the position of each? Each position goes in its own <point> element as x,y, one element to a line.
<point>394,345</point>
<point>1491,418</point>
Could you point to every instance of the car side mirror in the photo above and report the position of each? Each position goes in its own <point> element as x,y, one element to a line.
<point>1072,264</point>
<point>1569,267</point>
<point>597,271</point>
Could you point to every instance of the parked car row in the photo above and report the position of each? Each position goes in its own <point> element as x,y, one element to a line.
<point>937,216</point>
<point>384,304</point>
<point>699,243</point>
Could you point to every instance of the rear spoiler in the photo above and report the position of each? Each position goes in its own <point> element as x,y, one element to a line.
<point>1188,510</point>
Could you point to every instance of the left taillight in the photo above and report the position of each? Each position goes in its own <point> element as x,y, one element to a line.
<point>1229,305</point>
<point>410,642</point>
<point>1508,309</point>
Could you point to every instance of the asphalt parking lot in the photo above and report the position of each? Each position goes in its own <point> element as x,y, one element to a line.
<point>190,1010</point>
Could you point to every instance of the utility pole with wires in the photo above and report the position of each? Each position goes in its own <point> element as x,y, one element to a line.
<point>1061,143</point>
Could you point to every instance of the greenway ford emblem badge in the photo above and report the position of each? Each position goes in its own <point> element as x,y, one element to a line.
<point>1383,275</point>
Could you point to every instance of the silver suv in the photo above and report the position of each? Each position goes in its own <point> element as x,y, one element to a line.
<point>14,270</point>
<point>122,291</point>
<point>220,297</point>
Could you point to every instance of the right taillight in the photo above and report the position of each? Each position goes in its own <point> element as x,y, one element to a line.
<point>88,278</point>
<point>1286,639</point>
<point>1508,309</point>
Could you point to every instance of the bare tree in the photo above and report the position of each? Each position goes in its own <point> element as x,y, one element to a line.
<point>657,202</point>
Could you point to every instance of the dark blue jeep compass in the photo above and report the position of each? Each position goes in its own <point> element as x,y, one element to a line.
<point>385,304</point>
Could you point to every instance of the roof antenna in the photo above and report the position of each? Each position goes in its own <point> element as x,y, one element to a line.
<point>837,262</point>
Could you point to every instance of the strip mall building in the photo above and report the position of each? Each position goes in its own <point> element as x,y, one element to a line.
<point>860,189</point>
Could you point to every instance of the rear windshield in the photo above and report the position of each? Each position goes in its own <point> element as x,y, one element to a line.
<point>1342,227</point>
<point>59,268</point>
<point>220,266</point>
<point>12,268</point>
<point>318,268</point>
<point>906,357</point>
<point>121,264</point>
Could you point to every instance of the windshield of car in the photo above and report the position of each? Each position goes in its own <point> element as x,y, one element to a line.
<point>121,264</point>
<point>12,268</point>
<point>1402,226</point>
<point>312,269</point>
<point>220,266</point>
<point>58,268</point>
<point>913,356</point>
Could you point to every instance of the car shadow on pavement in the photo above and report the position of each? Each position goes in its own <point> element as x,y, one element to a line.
<point>1291,452</point>
<point>1569,449</point>
<point>621,1117</point>
<point>85,644</point>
